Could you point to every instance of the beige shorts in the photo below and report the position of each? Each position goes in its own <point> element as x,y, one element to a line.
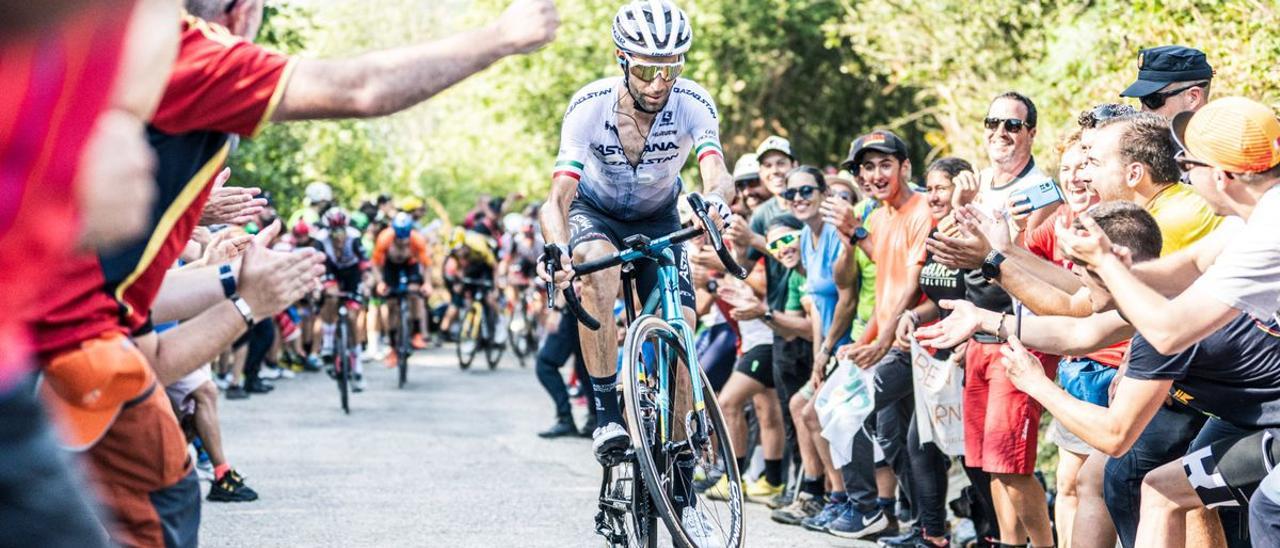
<point>180,391</point>
<point>1064,439</point>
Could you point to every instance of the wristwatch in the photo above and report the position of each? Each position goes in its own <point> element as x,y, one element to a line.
<point>991,266</point>
<point>860,234</point>
<point>243,308</point>
<point>768,316</point>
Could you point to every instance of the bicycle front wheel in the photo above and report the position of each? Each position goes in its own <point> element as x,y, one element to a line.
<point>468,337</point>
<point>492,348</point>
<point>403,348</point>
<point>342,365</point>
<point>672,447</point>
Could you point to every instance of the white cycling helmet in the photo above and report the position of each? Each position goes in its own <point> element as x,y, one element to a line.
<point>653,28</point>
<point>319,192</point>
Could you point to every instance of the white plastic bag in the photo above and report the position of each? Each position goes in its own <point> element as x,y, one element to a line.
<point>846,400</point>
<point>939,393</point>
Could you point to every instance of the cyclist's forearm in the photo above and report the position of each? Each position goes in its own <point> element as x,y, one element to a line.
<point>555,214</point>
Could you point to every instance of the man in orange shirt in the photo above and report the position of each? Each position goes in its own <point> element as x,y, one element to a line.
<point>894,238</point>
<point>401,253</point>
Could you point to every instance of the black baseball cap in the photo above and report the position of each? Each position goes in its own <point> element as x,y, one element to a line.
<point>879,140</point>
<point>1160,66</point>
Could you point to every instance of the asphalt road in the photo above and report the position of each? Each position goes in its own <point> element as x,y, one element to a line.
<point>450,460</point>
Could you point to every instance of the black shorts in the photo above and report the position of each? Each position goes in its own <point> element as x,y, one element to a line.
<point>757,363</point>
<point>392,271</point>
<point>346,279</point>
<point>1227,472</point>
<point>588,224</point>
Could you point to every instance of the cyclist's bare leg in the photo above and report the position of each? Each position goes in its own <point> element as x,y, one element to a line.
<point>393,326</point>
<point>598,293</point>
<point>328,319</point>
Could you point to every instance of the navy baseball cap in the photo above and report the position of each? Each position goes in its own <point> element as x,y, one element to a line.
<point>1160,66</point>
<point>880,140</point>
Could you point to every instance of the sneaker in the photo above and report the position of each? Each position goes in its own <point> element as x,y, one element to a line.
<point>562,427</point>
<point>286,373</point>
<point>829,513</point>
<point>258,386</point>
<point>762,491</point>
<point>701,531</point>
<point>610,443</point>
<point>720,491</point>
<point>312,363</point>
<point>269,373</point>
<point>418,343</point>
<point>357,384</point>
<point>390,361</point>
<point>904,540</point>
<point>231,488</point>
<point>803,507</point>
<point>222,381</point>
<point>708,479</point>
<point>852,523</point>
<point>236,392</point>
<point>782,500</point>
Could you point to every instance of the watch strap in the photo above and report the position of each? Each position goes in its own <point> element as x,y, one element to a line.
<point>228,280</point>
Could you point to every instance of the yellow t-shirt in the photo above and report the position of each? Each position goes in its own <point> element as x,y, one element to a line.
<point>1183,216</point>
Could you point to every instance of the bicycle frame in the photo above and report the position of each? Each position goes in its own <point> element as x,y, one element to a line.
<point>665,299</point>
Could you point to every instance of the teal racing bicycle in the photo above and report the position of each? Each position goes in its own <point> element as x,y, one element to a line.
<point>677,431</point>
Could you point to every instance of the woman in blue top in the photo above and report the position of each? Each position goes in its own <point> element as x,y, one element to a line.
<point>822,255</point>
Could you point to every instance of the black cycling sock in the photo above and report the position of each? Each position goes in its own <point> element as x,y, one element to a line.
<point>814,486</point>
<point>682,487</point>
<point>742,465</point>
<point>773,471</point>
<point>606,399</point>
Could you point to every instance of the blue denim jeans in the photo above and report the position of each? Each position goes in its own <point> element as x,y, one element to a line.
<point>1166,438</point>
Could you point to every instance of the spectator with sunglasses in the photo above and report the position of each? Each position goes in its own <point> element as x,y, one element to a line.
<point>1000,422</point>
<point>1171,79</point>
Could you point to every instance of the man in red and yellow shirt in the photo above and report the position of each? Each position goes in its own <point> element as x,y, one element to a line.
<point>223,85</point>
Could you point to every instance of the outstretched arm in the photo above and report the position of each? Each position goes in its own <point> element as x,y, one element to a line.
<point>383,82</point>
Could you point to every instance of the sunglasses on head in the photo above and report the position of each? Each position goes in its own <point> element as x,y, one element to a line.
<point>1011,125</point>
<point>647,72</point>
<point>785,240</point>
<point>1156,100</point>
<point>805,192</point>
<point>1090,119</point>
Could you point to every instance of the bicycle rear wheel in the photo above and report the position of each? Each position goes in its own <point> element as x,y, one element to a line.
<point>626,508</point>
<point>468,337</point>
<point>342,365</point>
<point>403,347</point>
<point>667,458</point>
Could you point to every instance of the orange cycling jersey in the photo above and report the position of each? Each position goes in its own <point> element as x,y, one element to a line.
<point>417,248</point>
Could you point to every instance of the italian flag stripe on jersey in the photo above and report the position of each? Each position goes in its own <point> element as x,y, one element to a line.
<point>708,147</point>
<point>568,168</point>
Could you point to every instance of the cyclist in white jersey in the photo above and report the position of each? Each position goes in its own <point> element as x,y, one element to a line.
<point>622,145</point>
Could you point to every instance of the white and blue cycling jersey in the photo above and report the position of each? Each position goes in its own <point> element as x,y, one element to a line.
<point>591,150</point>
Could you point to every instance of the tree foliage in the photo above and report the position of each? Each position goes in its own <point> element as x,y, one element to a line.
<point>819,72</point>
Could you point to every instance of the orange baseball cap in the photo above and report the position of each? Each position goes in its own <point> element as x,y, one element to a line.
<point>1234,134</point>
<point>85,389</point>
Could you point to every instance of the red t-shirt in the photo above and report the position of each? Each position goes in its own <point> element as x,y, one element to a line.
<point>53,86</point>
<point>1043,241</point>
<point>220,85</point>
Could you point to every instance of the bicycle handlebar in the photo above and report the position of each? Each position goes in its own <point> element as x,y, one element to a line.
<point>552,255</point>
